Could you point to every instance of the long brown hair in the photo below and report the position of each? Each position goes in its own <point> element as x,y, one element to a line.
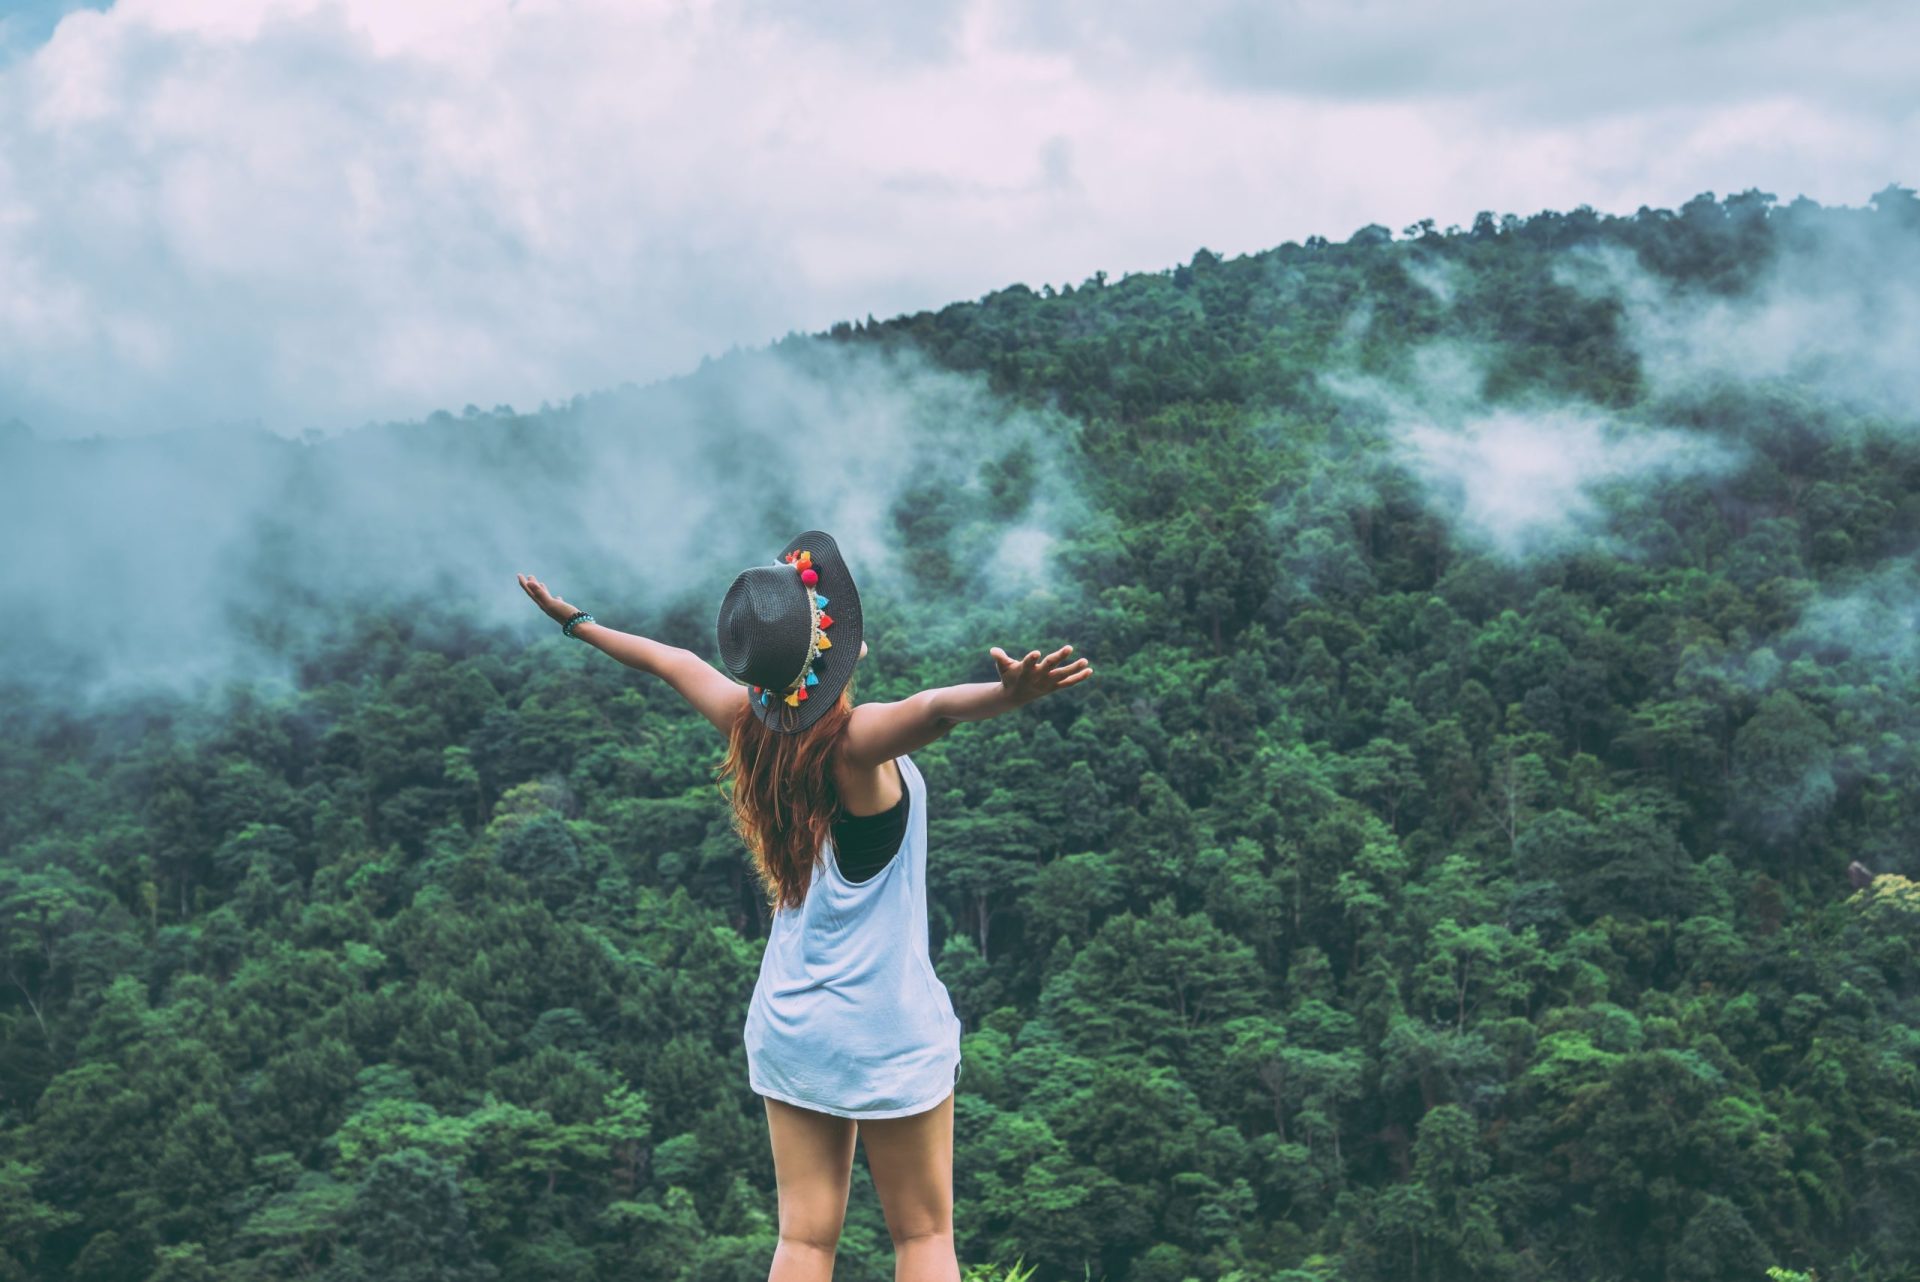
<point>783,795</point>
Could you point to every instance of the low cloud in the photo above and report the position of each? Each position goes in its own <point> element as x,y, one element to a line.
<point>1521,481</point>
<point>1853,656</point>
<point>1868,621</point>
<point>1527,482</point>
<point>229,554</point>
<point>1440,277</point>
<point>1836,312</point>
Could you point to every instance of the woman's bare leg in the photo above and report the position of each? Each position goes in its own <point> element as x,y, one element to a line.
<point>813,1163</point>
<point>911,1160</point>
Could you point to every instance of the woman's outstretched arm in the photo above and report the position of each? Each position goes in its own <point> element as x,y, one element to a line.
<point>879,732</point>
<point>717,696</point>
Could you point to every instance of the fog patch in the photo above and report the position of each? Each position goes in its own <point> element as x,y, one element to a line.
<point>1836,313</point>
<point>1521,481</point>
<point>1024,555</point>
<point>207,556</point>
<point>1854,656</point>
<point>1438,276</point>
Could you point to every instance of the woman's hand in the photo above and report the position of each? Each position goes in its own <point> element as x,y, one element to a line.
<point>556,609</point>
<point>1027,679</point>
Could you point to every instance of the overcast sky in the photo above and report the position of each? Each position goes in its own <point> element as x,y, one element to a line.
<point>313,213</point>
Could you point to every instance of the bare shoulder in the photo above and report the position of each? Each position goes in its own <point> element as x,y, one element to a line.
<point>868,790</point>
<point>879,732</point>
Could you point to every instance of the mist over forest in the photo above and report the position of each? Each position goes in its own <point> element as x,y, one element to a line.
<point>1488,848</point>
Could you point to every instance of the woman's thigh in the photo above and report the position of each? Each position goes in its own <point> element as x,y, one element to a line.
<point>911,1159</point>
<point>813,1162</point>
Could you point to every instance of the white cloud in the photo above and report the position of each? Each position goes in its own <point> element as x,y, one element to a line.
<point>1521,481</point>
<point>1576,59</point>
<point>1526,481</point>
<point>1836,311</point>
<point>634,505</point>
<point>314,213</point>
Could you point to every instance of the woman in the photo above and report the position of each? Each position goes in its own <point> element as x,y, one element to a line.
<point>849,1033</point>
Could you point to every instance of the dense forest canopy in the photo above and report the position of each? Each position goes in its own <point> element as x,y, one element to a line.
<point>1489,849</point>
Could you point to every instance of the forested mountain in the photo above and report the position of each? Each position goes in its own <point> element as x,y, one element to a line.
<point>1507,641</point>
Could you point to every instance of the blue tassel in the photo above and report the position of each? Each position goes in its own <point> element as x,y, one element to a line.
<point>822,600</point>
<point>763,696</point>
<point>812,680</point>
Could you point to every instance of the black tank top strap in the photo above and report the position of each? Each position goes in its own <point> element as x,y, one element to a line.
<point>863,845</point>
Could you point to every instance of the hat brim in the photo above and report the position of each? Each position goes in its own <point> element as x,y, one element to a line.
<point>833,665</point>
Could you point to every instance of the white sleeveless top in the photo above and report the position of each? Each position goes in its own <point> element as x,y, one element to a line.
<point>848,1017</point>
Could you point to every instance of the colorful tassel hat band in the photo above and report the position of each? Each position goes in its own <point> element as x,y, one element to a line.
<point>802,561</point>
<point>776,635</point>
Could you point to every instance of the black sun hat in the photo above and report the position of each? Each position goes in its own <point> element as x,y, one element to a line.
<point>791,630</point>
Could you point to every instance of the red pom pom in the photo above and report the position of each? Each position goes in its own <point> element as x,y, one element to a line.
<point>809,577</point>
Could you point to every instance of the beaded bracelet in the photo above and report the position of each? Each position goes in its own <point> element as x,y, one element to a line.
<point>576,620</point>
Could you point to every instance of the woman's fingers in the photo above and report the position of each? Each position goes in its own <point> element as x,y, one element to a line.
<point>535,589</point>
<point>1046,672</point>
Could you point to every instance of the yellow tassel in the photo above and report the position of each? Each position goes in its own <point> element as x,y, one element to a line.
<point>793,700</point>
<point>824,643</point>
